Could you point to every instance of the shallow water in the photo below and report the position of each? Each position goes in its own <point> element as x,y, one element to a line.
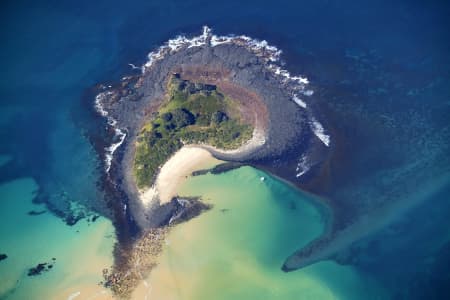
<point>236,249</point>
<point>380,67</point>
<point>81,251</point>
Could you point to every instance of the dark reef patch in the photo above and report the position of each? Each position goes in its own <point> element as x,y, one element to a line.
<point>36,212</point>
<point>41,268</point>
<point>219,169</point>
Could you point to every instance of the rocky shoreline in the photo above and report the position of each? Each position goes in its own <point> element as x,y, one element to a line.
<point>287,140</point>
<point>282,131</point>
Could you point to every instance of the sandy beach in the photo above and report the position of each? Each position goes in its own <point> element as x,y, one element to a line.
<point>177,169</point>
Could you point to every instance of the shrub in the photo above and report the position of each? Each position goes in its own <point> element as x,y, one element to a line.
<point>167,117</point>
<point>189,104</point>
<point>218,117</point>
<point>182,117</point>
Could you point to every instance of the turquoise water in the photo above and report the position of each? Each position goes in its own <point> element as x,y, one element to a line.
<point>4,159</point>
<point>380,67</point>
<point>236,249</point>
<point>81,251</point>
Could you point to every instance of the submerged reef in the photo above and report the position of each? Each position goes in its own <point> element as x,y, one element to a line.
<point>41,268</point>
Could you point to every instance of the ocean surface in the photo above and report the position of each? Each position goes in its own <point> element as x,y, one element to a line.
<point>380,70</point>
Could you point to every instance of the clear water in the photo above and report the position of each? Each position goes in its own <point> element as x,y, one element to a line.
<point>236,249</point>
<point>380,68</point>
<point>82,251</point>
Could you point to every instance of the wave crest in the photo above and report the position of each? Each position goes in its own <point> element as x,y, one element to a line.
<point>319,131</point>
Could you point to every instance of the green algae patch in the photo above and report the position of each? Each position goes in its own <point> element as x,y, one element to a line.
<point>192,113</point>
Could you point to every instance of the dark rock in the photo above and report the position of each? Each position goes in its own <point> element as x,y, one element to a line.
<point>41,268</point>
<point>3,256</point>
<point>200,172</point>
<point>186,209</point>
<point>225,167</point>
<point>94,218</point>
<point>36,213</point>
<point>219,169</point>
<point>72,219</point>
<point>37,270</point>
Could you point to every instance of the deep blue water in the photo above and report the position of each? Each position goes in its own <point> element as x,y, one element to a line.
<point>380,69</point>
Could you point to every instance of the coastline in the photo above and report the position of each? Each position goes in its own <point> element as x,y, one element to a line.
<point>247,70</point>
<point>151,207</point>
<point>213,242</point>
<point>174,172</point>
<point>258,139</point>
<point>77,254</point>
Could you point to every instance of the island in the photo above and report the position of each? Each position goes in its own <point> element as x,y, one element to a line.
<point>192,114</point>
<point>199,103</point>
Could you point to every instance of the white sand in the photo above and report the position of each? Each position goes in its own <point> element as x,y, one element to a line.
<point>179,167</point>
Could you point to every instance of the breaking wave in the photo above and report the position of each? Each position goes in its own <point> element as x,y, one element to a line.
<point>261,48</point>
<point>303,166</point>
<point>299,101</point>
<point>119,135</point>
<point>319,131</point>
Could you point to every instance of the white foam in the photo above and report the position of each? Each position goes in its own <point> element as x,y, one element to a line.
<point>118,133</point>
<point>308,92</point>
<point>260,48</point>
<point>113,147</point>
<point>200,40</point>
<point>133,66</point>
<point>287,77</point>
<point>270,54</point>
<point>219,40</point>
<point>303,166</point>
<point>299,101</point>
<point>99,105</point>
<point>319,131</point>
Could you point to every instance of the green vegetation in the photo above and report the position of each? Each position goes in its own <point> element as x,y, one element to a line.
<point>193,113</point>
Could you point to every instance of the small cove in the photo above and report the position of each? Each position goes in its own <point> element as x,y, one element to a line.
<point>237,248</point>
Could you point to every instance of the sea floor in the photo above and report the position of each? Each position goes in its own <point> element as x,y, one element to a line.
<point>80,251</point>
<point>235,250</point>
